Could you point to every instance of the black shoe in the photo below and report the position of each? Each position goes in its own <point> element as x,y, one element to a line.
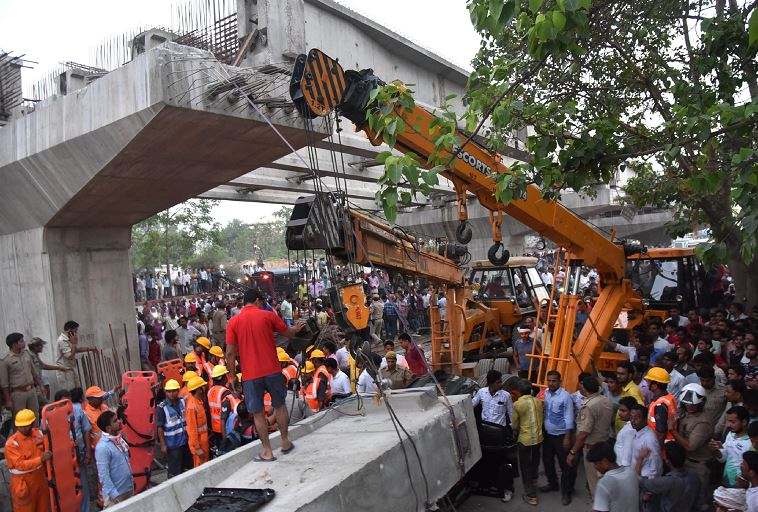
<point>549,488</point>
<point>566,499</point>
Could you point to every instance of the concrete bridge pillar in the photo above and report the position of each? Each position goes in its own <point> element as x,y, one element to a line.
<point>52,275</point>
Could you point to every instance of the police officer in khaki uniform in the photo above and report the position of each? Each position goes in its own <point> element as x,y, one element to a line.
<point>17,376</point>
<point>593,426</point>
<point>35,348</point>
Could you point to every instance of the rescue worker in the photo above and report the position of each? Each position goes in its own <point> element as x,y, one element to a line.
<point>18,378</point>
<point>239,428</point>
<point>190,362</point>
<point>693,432</point>
<point>25,457</point>
<point>322,373</point>
<point>186,377</point>
<point>661,416</point>
<point>216,355</point>
<point>316,393</point>
<point>281,352</point>
<point>201,348</point>
<point>289,370</point>
<point>172,431</point>
<point>95,407</point>
<point>196,421</point>
<point>216,396</point>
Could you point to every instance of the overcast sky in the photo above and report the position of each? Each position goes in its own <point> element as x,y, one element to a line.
<point>53,31</point>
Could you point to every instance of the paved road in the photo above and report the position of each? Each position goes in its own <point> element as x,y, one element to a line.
<point>549,502</point>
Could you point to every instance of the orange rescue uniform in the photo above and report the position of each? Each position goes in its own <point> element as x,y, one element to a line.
<point>197,429</point>
<point>23,455</point>
<point>216,396</point>
<point>670,403</point>
<point>92,415</point>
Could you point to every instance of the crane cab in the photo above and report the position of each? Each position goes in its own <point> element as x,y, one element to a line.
<point>499,297</point>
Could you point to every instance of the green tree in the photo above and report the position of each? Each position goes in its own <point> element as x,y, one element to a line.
<point>667,88</point>
<point>174,236</point>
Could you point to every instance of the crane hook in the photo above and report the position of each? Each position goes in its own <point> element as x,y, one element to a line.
<point>494,258</point>
<point>463,233</point>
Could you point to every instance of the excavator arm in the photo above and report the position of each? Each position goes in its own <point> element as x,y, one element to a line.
<point>320,85</point>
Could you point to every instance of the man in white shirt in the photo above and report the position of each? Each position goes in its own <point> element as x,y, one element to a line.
<point>497,405</point>
<point>749,470</point>
<point>646,450</point>
<point>340,381</point>
<point>286,309</point>
<point>681,321</point>
<point>343,358</point>
<point>618,489</point>
<point>625,436</point>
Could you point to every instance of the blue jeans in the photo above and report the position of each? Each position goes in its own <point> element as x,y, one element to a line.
<point>390,326</point>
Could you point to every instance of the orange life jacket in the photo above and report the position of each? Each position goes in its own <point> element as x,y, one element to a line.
<point>92,415</point>
<point>670,403</point>
<point>310,394</point>
<point>215,400</point>
<point>290,372</point>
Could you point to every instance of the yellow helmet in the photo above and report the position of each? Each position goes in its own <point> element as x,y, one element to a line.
<point>171,385</point>
<point>219,370</point>
<point>239,377</point>
<point>196,382</point>
<point>283,357</point>
<point>190,358</point>
<point>658,374</point>
<point>188,376</point>
<point>279,350</point>
<point>204,342</point>
<point>25,417</point>
<point>317,353</point>
<point>309,367</point>
<point>216,351</point>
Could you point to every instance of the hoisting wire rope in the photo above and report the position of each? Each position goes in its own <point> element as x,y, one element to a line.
<point>318,184</point>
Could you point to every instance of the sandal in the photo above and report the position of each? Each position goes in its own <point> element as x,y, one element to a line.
<point>531,500</point>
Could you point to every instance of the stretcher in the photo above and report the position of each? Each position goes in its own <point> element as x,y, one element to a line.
<point>139,424</point>
<point>172,369</point>
<point>63,476</point>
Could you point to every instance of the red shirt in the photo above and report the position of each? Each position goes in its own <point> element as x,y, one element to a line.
<point>415,359</point>
<point>252,330</point>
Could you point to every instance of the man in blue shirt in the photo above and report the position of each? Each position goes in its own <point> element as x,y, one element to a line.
<point>559,429</point>
<point>112,456</point>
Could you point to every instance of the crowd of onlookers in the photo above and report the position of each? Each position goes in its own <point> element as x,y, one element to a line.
<point>160,285</point>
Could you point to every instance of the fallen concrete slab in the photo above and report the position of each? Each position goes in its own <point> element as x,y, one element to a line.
<point>344,460</point>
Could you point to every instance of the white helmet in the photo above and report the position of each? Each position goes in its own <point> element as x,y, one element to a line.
<point>692,394</point>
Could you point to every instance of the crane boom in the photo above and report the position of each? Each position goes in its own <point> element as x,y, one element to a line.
<point>320,86</point>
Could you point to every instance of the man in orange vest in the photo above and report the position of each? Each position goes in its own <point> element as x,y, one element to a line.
<point>661,414</point>
<point>196,421</point>
<point>202,346</point>
<point>289,370</point>
<point>25,456</point>
<point>322,374</point>
<point>216,396</point>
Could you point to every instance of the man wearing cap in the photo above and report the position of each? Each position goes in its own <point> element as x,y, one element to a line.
<point>289,369</point>
<point>216,396</point>
<point>216,355</point>
<point>201,347</point>
<point>376,314</point>
<point>399,377</point>
<point>35,349</point>
<point>218,324</point>
<point>190,362</point>
<point>172,430</point>
<point>68,346</point>
<point>94,407</point>
<point>18,377</point>
<point>196,421</point>
<point>321,376</point>
<point>250,335</point>
<point>25,456</point>
<point>662,410</point>
<point>186,377</point>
